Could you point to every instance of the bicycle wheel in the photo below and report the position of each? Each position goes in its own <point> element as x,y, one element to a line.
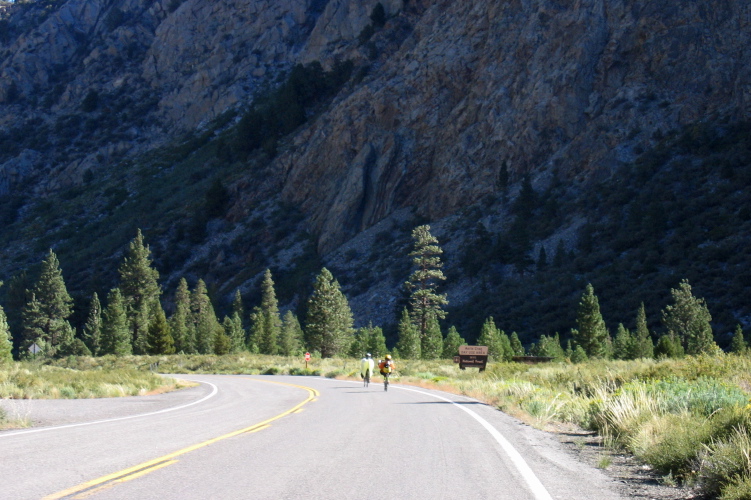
<point>367,379</point>
<point>385,382</point>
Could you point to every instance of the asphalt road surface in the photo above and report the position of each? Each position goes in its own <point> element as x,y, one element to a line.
<point>276,437</point>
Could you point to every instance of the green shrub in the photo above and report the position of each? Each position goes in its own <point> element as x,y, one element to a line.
<point>725,462</point>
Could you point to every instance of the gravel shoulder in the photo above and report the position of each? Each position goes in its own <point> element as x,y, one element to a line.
<point>633,479</point>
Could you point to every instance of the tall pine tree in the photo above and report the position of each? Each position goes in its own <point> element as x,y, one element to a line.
<point>116,338</point>
<point>329,320</point>
<point>159,337</point>
<point>408,344</point>
<point>642,345</point>
<point>181,322</point>
<point>432,343</point>
<point>423,282</point>
<point>266,320</point>
<point>139,285</point>
<point>688,319</point>
<point>45,316</point>
<point>6,342</point>
<point>92,330</point>
<point>291,340</point>
<point>206,325</point>
<point>452,342</point>
<point>738,345</point>
<point>591,333</point>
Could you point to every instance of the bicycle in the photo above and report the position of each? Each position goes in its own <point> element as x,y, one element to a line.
<point>366,378</point>
<point>385,381</point>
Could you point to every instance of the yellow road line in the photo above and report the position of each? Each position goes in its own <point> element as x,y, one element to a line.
<point>151,465</point>
<point>94,491</point>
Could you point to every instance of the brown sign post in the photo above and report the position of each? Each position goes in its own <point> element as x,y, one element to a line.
<point>472,356</point>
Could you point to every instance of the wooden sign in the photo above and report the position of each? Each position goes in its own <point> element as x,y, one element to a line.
<point>472,356</point>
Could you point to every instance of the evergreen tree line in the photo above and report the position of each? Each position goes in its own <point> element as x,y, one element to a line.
<point>134,322</point>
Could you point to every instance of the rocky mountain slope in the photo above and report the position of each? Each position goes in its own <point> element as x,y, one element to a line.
<point>127,113</point>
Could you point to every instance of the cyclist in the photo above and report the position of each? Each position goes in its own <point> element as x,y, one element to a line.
<point>366,368</point>
<point>386,366</point>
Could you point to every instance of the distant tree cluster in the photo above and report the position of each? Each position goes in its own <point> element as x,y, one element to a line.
<point>133,320</point>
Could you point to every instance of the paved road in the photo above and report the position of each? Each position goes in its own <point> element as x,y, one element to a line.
<point>279,437</point>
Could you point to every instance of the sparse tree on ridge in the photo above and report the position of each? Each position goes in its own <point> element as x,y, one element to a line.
<point>408,344</point>
<point>591,333</point>
<point>92,330</point>
<point>688,319</point>
<point>139,285</point>
<point>116,337</point>
<point>423,282</point>
<point>329,320</point>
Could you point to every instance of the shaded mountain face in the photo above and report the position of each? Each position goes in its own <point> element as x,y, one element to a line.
<point>447,108</point>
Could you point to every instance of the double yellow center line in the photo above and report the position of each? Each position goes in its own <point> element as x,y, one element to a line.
<point>92,487</point>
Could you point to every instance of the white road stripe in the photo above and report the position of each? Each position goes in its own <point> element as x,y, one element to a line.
<point>534,484</point>
<point>213,393</point>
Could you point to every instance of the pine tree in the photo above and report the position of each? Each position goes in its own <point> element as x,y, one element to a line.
<point>432,342</point>
<point>579,355</point>
<point>360,343</point>
<point>377,345</point>
<point>233,328</point>
<point>181,322</point>
<point>738,345</point>
<point>550,347</point>
<point>291,338</point>
<point>669,346</point>
<point>139,285</point>
<point>329,320</point>
<point>237,304</point>
<point>642,346</point>
<point>688,319</point>
<point>505,342</point>
<point>591,333</point>
<point>271,322</point>
<point>623,343</point>
<point>6,342</point>
<point>516,345</point>
<point>452,342</point>
<point>159,336</point>
<point>92,330</point>
<point>490,336</point>
<point>222,341</point>
<point>116,337</point>
<point>423,282</point>
<point>408,344</point>
<point>45,316</point>
<point>204,319</point>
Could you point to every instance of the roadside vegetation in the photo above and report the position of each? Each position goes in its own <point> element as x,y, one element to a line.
<point>689,418</point>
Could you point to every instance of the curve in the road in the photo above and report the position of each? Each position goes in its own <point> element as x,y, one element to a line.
<point>214,392</point>
<point>90,487</point>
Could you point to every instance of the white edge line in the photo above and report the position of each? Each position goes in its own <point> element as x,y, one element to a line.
<point>537,488</point>
<point>213,393</point>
